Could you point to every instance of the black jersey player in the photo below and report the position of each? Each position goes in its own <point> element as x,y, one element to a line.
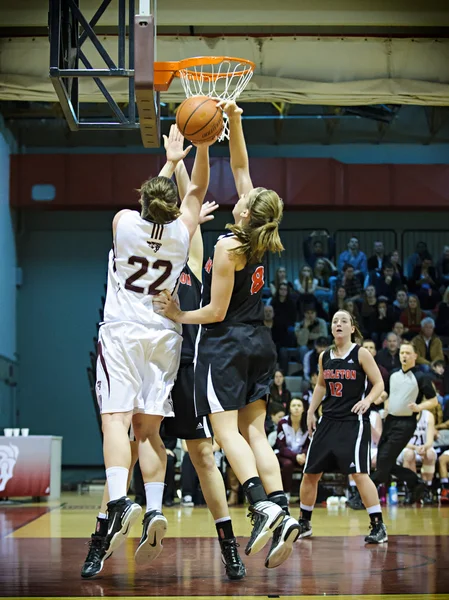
<point>236,357</point>
<point>342,438</point>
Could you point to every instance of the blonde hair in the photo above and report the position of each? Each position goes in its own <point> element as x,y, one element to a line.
<point>356,335</point>
<point>261,233</point>
<point>446,295</point>
<point>159,200</point>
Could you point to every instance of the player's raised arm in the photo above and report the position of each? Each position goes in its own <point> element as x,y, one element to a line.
<point>237,149</point>
<point>174,148</point>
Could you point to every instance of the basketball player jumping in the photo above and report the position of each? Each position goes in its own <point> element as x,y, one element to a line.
<point>139,350</point>
<point>342,436</point>
<point>236,357</point>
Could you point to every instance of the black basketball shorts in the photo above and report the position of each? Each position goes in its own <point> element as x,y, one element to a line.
<point>185,425</point>
<point>340,446</point>
<point>234,366</point>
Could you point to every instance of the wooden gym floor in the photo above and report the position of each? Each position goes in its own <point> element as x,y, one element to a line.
<point>43,546</point>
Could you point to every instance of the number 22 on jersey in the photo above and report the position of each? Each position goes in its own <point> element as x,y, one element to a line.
<point>153,288</point>
<point>257,280</point>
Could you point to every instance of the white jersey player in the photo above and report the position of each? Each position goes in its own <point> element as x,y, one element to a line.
<point>138,350</point>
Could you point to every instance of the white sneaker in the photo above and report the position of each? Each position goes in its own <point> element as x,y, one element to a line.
<point>154,530</point>
<point>187,501</point>
<point>285,535</point>
<point>265,517</point>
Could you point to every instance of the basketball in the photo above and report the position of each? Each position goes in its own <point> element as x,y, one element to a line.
<point>199,119</point>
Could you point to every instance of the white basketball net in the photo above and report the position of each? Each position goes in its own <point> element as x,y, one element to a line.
<point>223,81</point>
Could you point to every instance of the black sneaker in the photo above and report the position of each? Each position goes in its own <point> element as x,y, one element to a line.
<point>428,496</point>
<point>305,528</point>
<point>95,557</point>
<point>285,535</point>
<point>378,534</point>
<point>355,502</point>
<point>154,530</point>
<point>235,569</point>
<point>418,492</point>
<point>122,513</point>
<point>265,517</point>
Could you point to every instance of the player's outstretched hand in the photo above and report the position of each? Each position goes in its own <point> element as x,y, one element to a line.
<point>311,423</point>
<point>165,305</point>
<point>206,212</point>
<point>173,145</point>
<point>361,407</point>
<point>230,107</point>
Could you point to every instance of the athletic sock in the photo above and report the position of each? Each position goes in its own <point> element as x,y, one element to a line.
<point>375,514</point>
<point>101,527</point>
<point>445,483</point>
<point>117,482</point>
<point>224,529</point>
<point>280,498</point>
<point>429,483</point>
<point>306,511</point>
<point>254,491</point>
<point>154,492</point>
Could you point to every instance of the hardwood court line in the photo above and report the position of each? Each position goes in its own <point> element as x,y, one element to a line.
<point>44,511</point>
<point>236,597</point>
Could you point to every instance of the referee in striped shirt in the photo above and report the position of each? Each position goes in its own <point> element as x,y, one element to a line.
<point>410,392</point>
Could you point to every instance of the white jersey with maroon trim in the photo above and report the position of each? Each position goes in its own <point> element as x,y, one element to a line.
<point>146,259</point>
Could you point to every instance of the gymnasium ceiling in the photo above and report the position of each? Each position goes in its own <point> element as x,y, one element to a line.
<point>346,71</point>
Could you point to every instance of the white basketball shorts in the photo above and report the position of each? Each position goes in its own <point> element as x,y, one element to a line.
<point>136,368</point>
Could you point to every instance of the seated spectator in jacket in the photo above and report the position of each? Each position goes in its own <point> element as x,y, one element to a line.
<point>313,248</point>
<point>383,322</point>
<point>368,309</point>
<point>310,364</point>
<point>355,257</point>
<point>399,330</point>
<point>401,301</point>
<point>280,276</point>
<point>339,301</point>
<point>424,276</point>
<point>275,413</point>
<point>442,322</point>
<point>428,346</point>
<point>308,330</point>
<point>389,356</point>
<point>443,267</point>
<point>323,274</point>
<point>306,283</point>
<point>387,283</point>
<point>371,347</point>
<point>376,261</point>
<point>351,283</point>
<point>440,381</point>
<point>411,317</point>
<point>292,442</point>
<point>416,258</point>
<point>284,319</point>
<point>279,393</point>
<point>395,260</point>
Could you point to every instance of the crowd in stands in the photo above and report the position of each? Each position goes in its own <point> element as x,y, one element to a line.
<point>390,304</point>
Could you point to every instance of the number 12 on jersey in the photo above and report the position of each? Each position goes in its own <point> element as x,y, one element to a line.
<point>336,389</point>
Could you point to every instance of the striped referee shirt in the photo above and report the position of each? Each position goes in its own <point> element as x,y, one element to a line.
<point>408,387</point>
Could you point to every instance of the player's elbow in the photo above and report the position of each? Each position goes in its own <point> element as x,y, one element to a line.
<point>218,314</point>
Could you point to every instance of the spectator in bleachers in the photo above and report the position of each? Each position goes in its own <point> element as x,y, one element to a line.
<point>420,450</point>
<point>325,280</point>
<point>354,257</point>
<point>308,330</point>
<point>371,347</point>
<point>383,321</point>
<point>399,330</point>
<point>376,261</point>
<point>401,301</point>
<point>279,393</point>
<point>306,283</point>
<point>275,413</point>
<point>389,356</point>
<point>416,258</point>
<point>395,260</point>
<point>307,396</point>
<point>339,302</point>
<point>351,283</point>
<point>352,309</point>
<point>284,319</point>
<point>441,383</point>
<point>292,442</point>
<point>443,267</point>
<point>313,248</point>
<point>280,277</point>
<point>442,322</point>
<point>387,282</point>
<point>424,275</point>
<point>268,316</point>
<point>412,316</point>
<point>427,344</point>
<point>368,309</point>
<point>310,363</point>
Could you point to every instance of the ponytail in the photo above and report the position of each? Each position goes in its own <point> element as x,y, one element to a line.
<point>158,198</point>
<point>261,233</point>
